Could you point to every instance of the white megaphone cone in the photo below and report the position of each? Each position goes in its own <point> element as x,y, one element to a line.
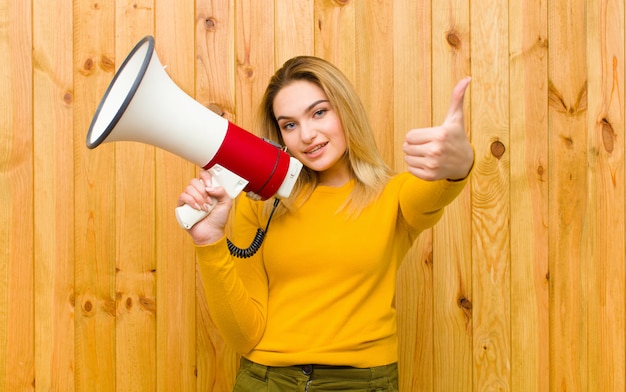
<point>143,104</point>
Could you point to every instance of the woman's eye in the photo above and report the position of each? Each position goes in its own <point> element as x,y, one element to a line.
<point>320,112</point>
<point>288,126</point>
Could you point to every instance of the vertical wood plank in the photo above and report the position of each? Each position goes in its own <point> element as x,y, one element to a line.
<point>453,294</point>
<point>335,34</point>
<point>546,313</point>
<point>254,34</point>
<point>175,261</point>
<point>215,88</point>
<point>567,95</point>
<point>217,363</point>
<point>135,229</point>
<point>53,195</point>
<point>16,182</point>
<point>529,194</point>
<point>215,56</point>
<point>374,69</point>
<point>413,109</point>
<point>294,29</point>
<point>94,195</point>
<point>490,196</point>
<point>604,257</point>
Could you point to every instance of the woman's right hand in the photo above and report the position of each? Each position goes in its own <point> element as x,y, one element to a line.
<point>201,195</point>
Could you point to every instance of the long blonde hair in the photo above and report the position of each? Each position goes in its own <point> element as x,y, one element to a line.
<point>366,164</point>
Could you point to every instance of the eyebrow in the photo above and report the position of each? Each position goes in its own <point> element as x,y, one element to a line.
<point>311,106</point>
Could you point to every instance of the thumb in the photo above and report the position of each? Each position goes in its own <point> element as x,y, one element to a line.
<point>456,102</point>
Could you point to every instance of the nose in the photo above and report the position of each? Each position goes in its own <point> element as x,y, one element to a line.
<point>307,133</point>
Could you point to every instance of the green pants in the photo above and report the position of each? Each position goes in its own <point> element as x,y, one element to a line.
<point>253,377</point>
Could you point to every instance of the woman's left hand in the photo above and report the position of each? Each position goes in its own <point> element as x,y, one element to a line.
<point>442,152</point>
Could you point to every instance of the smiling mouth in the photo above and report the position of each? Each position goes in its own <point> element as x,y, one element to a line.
<point>316,148</point>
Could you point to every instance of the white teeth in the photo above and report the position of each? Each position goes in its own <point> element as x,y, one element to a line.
<point>316,148</point>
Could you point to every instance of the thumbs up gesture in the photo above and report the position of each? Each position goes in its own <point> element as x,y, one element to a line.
<point>441,152</point>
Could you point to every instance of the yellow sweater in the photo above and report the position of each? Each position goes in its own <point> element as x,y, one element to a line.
<point>321,289</point>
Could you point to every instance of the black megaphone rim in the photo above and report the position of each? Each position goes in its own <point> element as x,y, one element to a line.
<point>129,97</point>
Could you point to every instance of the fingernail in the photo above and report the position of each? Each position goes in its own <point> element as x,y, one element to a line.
<point>198,206</point>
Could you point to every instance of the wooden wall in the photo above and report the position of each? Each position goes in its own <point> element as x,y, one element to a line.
<point>521,286</point>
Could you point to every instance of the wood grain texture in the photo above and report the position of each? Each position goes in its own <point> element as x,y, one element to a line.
<point>412,109</point>
<point>53,195</point>
<point>452,250</point>
<point>521,286</point>
<point>529,194</point>
<point>605,138</point>
<point>568,192</point>
<point>335,37</point>
<point>490,197</point>
<point>176,366</point>
<point>294,36</point>
<point>94,195</point>
<point>374,56</point>
<point>254,40</point>
<point>16,181</point>
<point>215,88</point>
<point>135,264</point>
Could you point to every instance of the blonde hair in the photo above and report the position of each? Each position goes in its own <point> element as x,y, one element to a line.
<point>366,165</point>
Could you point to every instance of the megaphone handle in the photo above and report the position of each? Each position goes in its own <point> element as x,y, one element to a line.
<point>188,216</point>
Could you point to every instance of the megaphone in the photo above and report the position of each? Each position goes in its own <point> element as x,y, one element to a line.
<point>143,104</point>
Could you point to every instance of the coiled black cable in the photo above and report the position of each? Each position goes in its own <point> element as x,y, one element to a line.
<point>256,242</point>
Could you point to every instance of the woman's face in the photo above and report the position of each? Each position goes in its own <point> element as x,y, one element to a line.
<point>312,130</point>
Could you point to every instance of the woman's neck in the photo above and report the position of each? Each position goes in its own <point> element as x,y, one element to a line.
<point>336,176</point>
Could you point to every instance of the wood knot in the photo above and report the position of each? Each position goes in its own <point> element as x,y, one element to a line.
<point>210,24</point>
<point>465,303</point>
<point>88,67</point>
<point>453,39</point>
<point>428,260</point>
<point>129,303</point>
<point>342,2</point>
<point>148,304</point>
<point>557,101</point>
<point>68,97</point>
<point>608,135</point>
<point>215,108</point>
<point>568,141</point>
<point>540,172</point>
<point>497,149</point>
<point>87,307</point>
<point>107,64</point>
<point>248,71</point>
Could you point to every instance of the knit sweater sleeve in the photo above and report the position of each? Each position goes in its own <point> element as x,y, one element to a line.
<point>422,202</point>
<point>236,292</point>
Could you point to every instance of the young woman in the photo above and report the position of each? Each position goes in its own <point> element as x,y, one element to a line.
<point>313,309</point>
